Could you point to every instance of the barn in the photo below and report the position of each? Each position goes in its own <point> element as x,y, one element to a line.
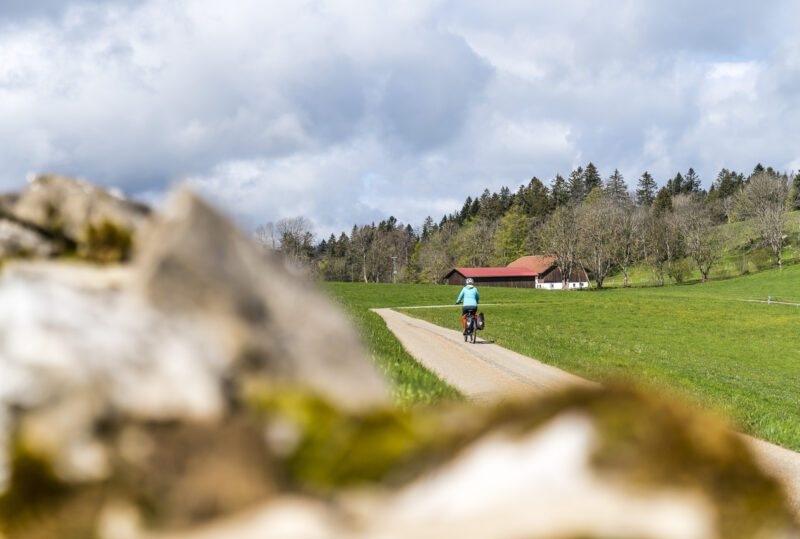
<point>548,275</point>
<point>536,271</point>
<point>511,277</point>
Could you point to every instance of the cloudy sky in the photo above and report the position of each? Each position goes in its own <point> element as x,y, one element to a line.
<point>347,112</point>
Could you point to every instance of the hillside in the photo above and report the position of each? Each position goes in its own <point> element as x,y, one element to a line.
<point>742,255</point>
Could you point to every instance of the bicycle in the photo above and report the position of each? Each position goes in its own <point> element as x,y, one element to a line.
<point>471,329</point>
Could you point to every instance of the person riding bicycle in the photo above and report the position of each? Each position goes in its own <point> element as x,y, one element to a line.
<point>470,296</point>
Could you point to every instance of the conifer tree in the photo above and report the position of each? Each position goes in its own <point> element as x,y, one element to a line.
<point>330,246</point>
<point>796,192</point>
<point>591,178</point>
<point>663,202</point>
<point>616,188</point>
<point>534,200</point>
<point>428,228</point>
<point>463,215</point>
<point>675,185</point>
<point>691,183</point>
<point>646,193</point>
<point>506,198</point>
<point>559,191</point>
<point>575,186</point>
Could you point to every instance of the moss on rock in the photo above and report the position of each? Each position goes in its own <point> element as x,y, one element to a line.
<point>106,243</point>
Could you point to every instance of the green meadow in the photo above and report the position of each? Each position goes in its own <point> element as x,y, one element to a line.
<point>412,384</point>
<point>701,342</point>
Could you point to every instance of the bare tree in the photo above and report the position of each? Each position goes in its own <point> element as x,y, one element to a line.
<point>597,236</point>
<point>629,224</point>
<point>435,255</point>
<point>703,242</point>
<point>293,226</point>
<point>661,242</point>
<point>559,238</point>
<point>766,200</point>
<point>296,239</point>
<point>266,236</point>
<point>360,242</point>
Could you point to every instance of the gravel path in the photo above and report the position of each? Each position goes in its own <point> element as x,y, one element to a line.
<point>485,372</point>
<point>482,371</point>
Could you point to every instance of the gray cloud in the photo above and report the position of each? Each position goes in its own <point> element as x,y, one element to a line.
<point>16,11</point>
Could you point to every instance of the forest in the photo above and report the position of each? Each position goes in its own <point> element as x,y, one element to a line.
<point>600,224</point>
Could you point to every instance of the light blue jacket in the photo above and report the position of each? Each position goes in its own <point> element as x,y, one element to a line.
<point>470,296</point>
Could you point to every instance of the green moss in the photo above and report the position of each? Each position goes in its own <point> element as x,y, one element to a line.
<point>54,222</point>
<point>337,448</point>
<point>643,440</point>
<point>106,243</point>
<point>33,489</point>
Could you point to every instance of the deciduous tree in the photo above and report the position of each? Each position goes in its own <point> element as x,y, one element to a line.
<point>628,223</point>
<point>472,243</point>
<point>766,200</point>
<point>702,241</point>
<point>267,236</point>
<point>296,239</point>
<point>510,237</point>
<point>559,237</point>
<point>597,235</point>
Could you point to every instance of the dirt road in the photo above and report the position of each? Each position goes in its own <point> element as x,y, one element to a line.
<point>482,371</point>
<point>485,372</point>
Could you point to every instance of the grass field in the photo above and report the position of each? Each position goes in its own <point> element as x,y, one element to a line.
<point>738,358</point>
<point>412,384</point>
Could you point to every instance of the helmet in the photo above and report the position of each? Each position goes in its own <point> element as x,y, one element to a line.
<point>469,280</point>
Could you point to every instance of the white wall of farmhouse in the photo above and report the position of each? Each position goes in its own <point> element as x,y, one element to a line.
<point>558,285</point>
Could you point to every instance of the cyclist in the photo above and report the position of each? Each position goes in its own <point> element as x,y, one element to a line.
<point>470,296</point>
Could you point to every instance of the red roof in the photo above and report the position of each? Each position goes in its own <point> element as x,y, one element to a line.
<point>496,272</point>
<point>536,263</point>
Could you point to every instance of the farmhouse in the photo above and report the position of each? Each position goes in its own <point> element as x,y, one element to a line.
<point>512,277</point>
<point>536,271</point>
<point>548,275</point>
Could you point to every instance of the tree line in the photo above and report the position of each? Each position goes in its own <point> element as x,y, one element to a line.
<point>583,220</point>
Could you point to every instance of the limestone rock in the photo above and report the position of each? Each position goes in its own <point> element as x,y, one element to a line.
<point>69,207</point>
<point>7,202</point>
<point>18,241</point>
<point>74,348</point>
<point>584,463</point>
<point>195,265</point>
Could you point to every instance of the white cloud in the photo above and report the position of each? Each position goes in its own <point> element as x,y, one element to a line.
<point>282,109</point>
